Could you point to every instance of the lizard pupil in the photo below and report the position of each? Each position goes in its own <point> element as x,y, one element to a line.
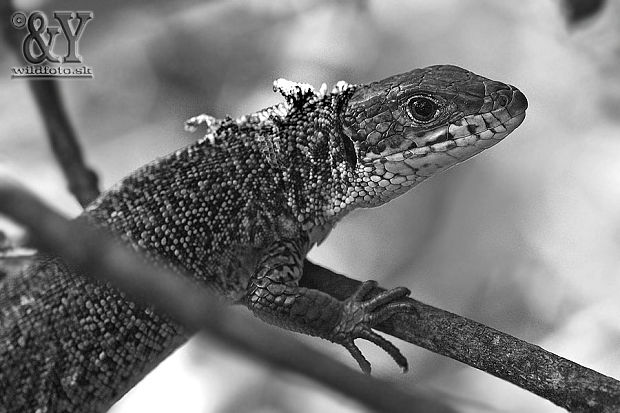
<point>422,109</point>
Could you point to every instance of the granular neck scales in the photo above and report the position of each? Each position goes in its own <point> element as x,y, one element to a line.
<point>238,211</point>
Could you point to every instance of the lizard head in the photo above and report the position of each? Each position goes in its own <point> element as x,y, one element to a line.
<point>403,129</point>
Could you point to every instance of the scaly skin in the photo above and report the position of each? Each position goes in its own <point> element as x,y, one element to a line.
<point>238,211</point>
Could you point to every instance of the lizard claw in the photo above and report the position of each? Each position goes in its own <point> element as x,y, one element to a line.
<point>360,316</point>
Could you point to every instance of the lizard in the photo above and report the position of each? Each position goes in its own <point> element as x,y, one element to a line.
<point>237,211</point>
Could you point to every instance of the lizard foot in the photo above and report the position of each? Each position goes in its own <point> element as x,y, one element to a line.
<point>359,316</point>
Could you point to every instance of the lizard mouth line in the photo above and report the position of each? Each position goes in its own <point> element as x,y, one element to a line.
<point>491,134</point>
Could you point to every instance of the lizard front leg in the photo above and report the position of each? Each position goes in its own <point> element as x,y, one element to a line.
<point>274,296</point>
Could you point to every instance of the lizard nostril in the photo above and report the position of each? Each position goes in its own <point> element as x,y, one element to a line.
<point>502,100</point>
<point>512,99</point>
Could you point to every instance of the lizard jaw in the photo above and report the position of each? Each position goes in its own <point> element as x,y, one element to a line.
<point>386,176</point>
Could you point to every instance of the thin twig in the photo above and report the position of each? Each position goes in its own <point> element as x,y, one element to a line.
<point>104,258</point>
<point>82,180</point>
<point>561,381</point>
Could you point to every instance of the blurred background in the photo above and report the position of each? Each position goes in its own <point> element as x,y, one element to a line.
<point>523,238</point>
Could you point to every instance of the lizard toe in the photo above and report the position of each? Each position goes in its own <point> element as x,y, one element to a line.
<point>358,356</point>
<point>391,309</point>
<point>388,347</point>
<point>386,297</point>
<point>363,290</point>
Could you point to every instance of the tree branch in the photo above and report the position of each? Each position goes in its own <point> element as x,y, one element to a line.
<point>561,381</point>
<point>102,257</point>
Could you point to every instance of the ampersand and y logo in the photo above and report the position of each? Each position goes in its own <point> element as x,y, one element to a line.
<point>38,45</point>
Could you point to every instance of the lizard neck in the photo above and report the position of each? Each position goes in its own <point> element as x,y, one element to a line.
<point>315,159</point>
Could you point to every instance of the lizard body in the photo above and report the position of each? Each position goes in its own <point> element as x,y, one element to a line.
<point>237,211</point>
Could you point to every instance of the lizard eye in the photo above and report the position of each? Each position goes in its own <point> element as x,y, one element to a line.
<point>422,109</point>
